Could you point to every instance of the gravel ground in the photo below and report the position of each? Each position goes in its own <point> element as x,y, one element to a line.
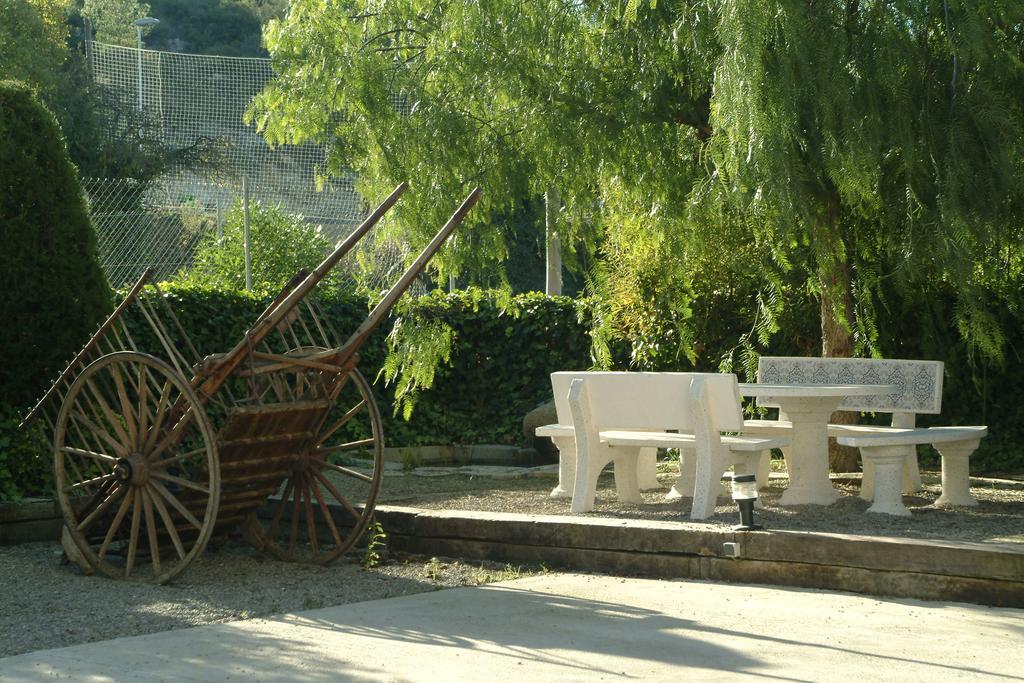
<point>45,604</point>
<point>998,519</point>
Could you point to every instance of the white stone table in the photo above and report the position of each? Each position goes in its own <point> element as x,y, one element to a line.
<point>809,407</point>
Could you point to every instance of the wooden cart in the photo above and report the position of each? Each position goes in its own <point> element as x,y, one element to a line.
<point>157,453</point>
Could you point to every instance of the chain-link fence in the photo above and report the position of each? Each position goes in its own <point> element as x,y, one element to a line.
<point>159,225</point>
<point>139,226</point>
<point>187,100</point>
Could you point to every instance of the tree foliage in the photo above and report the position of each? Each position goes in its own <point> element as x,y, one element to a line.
<point>114,20</point>
<point>280,246</point>
<point>54,290</point>
<point>32,42</point>
<point>853,154</point>
<point>215,27</point>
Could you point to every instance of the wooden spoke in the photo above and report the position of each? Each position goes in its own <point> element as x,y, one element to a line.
<point>337,495</point>
<point>308,489</point>
<point>133,540</point>
<point>310,521</point>
<point>154,543</point>
<point>126,407</point>
<point>143,390</point>
<point>174,435</point>
<point>77,473</point>
<point>158,419</point>
<point>178,457</point>
<point>116,524</point>
<point>295,517</point>
<point>345,419</point>
<point>180,482</point>
<point>162,491</point>
<point>110,416</point>
<point>168,521</point>
<point>351,445</point>
<point>89,454</point>
<point>347,472</point>
<point>101,433</point>
<point>113,495</point>
<point>325,510</point>
<point>89,482</point>
<point>85,441</point>
<point>132,406</point>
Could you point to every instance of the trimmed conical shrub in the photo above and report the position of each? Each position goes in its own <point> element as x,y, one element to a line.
<point>53,292</point>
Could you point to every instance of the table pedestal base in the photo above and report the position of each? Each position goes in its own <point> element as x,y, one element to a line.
<point>807,458</point>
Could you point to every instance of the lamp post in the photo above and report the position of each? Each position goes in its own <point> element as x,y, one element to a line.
<point>139,24</point>
<point>744,492</point>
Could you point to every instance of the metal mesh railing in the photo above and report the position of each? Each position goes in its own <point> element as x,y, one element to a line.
<point>187,99</point>
<point>139,226</point>
<point>161,224</point>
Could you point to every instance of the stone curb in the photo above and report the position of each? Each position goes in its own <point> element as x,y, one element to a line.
<point>911,568</point>
<point>32,519</point>
<point>475,454</point>
<point>990,574</point>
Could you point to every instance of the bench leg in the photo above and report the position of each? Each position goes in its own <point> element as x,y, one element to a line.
<point>566,466</point>
<point>647,469</point>
<point>786,455</point>
<point>627,463</point>
<point>708,483</point>
<point>956,479</point>
<point>588,469</point>
<point>764,469</point>
<point>910,478</point>
<point>887,462</point>
<point>684,483</point>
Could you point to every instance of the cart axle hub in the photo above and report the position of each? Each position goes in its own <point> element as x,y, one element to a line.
<point>133,469</point>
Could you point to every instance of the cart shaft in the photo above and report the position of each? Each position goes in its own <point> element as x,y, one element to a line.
<point>227,364</point>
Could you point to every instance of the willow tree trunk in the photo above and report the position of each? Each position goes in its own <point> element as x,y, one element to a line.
<point>553,270</point>
<point>837,342</point>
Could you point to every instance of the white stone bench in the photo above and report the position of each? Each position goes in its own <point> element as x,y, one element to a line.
<point>616,417</point>
<point>919,390</point>
<point>563,436</point>
<point>886,452</point>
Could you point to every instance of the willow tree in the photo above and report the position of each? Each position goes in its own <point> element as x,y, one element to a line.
<point>850,144</point>
<point>885,137</point>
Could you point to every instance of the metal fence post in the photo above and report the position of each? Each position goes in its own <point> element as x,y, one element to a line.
<point>220,219</point>
<point>245,233</point>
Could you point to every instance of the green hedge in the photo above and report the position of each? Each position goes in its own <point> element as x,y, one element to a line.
<point>497,372</point>
<point>25,465</point>
<point>502,352</point>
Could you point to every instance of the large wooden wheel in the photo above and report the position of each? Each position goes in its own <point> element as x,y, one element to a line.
<point>136,468</point>
<point>327,499</point>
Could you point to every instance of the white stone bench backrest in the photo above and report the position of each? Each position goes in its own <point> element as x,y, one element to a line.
<point>651,400</point>
<point>918,382</point>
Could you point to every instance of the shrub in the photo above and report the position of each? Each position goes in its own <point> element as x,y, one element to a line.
<point>495,356</point>
<point>280,246</point>
<point>54,290</point>
<point>25,465</point>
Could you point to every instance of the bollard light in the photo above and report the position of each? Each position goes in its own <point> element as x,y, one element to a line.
<point>744,492</point>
